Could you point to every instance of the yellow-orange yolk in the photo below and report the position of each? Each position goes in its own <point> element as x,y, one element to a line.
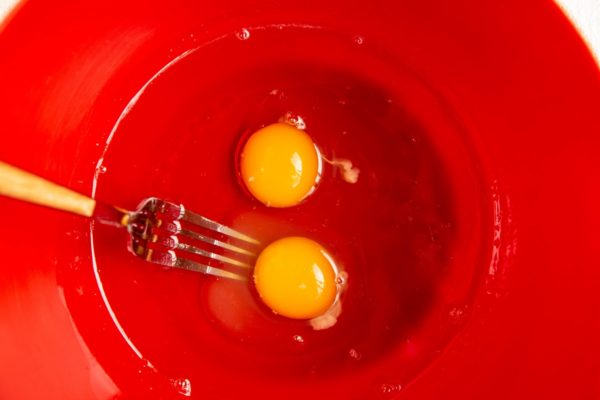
<point>280,165</point>
<point>296,278</point>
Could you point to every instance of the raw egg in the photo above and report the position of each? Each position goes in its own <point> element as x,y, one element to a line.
<point>280,165</point>
<point>296,278</point>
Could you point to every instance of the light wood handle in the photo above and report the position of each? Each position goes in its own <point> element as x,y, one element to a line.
<point>22,185</point>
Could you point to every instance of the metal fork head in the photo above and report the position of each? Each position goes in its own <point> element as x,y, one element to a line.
<point>157,235</point>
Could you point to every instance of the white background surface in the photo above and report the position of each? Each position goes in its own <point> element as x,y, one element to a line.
<point>585,15</point>
<point>5,7</point>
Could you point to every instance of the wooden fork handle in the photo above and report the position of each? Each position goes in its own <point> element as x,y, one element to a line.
<point>22,185</point>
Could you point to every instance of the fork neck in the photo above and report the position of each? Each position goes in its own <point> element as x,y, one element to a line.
<point>110,215</point>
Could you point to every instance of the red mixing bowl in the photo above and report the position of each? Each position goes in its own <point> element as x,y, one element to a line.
<point>509,97</point>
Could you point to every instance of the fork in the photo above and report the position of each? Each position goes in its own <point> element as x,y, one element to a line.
<point>160,231</point>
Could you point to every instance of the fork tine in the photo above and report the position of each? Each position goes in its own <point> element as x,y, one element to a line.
<point>205,269</point>
<point>170,259</point>
<point>210,254</point>
<point>215,242</point>
<point>155,229</point>
<point>204,222</point>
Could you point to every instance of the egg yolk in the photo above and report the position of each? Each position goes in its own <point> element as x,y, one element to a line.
<point>280,165</point>
<point>296,278</point>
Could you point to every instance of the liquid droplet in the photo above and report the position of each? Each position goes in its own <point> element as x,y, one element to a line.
<point>243,34</point>
<point>298,339</point>
<point>457,314</point>
<point>183,386</point>
<point>354,354</point>
<point>102,169</point>
<point>359,40</point>
<point>294,120</point>
<point>390,388</point>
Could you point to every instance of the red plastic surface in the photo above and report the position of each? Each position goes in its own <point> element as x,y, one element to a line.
<point>506,92</point>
